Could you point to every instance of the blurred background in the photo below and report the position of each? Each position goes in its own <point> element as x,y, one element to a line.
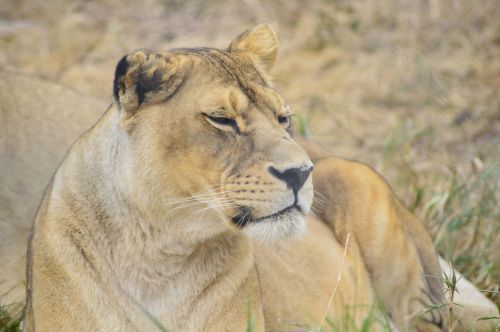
<point>409,87</point>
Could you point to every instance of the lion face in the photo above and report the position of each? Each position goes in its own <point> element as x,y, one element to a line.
<point>211,135</point>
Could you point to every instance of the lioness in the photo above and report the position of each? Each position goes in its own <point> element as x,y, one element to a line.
<point>187,207</point>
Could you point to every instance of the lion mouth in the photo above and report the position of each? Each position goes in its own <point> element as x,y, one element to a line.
<point>245,217</point>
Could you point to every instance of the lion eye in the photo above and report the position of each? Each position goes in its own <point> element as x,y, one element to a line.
<point>284,120</point>
<point>222,122</point>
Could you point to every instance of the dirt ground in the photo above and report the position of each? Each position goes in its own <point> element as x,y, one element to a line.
<point>410,87</point>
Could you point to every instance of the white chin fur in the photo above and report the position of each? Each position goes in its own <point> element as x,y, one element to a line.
<point>277,228</point>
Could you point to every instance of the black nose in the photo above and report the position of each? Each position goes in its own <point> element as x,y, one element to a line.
<point>293,177</point>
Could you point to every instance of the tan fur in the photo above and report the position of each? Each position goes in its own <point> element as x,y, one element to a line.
<point>117,236</point>
<point>343,186</point>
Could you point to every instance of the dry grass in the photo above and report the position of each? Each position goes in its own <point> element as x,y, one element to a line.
<point>410,87</point>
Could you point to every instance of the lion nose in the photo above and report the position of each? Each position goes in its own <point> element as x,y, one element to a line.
<point>293,177</point>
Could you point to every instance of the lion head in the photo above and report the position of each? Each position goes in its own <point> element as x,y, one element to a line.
<point>210,134</point>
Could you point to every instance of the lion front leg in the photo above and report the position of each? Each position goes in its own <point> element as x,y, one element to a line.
<point>397,251</point>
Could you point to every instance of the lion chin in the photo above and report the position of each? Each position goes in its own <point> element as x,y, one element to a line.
<point>284,225</point>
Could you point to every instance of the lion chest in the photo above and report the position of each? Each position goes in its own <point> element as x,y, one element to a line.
<point>196,290</point>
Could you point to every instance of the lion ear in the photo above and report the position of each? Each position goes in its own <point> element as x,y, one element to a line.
<point>260,44</point>
<point>144,78</point>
